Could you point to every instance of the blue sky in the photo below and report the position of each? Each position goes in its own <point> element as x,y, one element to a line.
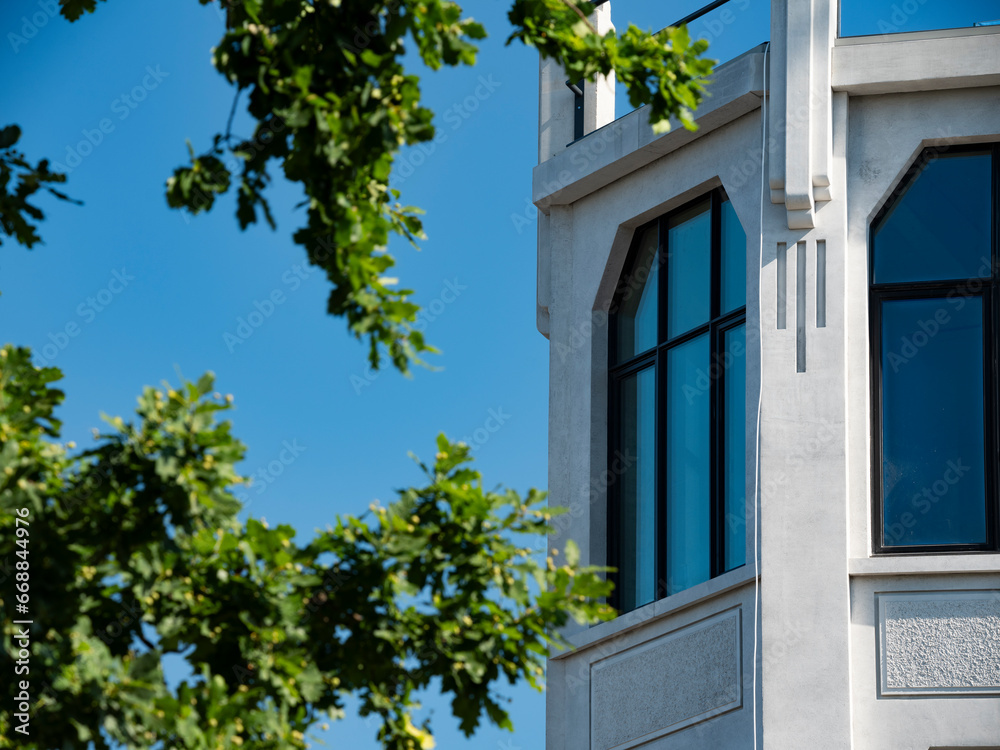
<point>151,292</point>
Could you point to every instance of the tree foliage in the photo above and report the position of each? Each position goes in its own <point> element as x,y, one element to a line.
<point>134,551</point>
<point>332,104</point>
<point>664,70</point>
<point>136,554</point>
<point>19,181</point>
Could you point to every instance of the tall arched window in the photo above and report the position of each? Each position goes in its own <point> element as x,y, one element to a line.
<point>934,306</point>
<point>677,404</point>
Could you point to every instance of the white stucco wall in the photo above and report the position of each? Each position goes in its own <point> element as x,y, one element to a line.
<point>588,242</point>
<point>820,676</point>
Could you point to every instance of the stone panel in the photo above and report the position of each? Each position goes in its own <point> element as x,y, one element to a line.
<point>939,643</point>
<point>667,683</point>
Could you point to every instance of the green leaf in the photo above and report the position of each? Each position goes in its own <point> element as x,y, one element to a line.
<point>572,553</point>
<point>9,136</point>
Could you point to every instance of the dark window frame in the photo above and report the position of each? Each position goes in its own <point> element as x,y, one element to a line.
<point>717,327</point>
<point>990,295</point>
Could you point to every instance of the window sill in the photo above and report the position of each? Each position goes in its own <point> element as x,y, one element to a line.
<point>910,36</point>
<point>923,564</point>
<point>659,609</point>
<point>915,62</point>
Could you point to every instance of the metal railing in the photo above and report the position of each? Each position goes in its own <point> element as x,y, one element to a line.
<point>688,18</point>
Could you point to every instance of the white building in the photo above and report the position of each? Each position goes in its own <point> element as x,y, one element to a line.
<point>825,246</point>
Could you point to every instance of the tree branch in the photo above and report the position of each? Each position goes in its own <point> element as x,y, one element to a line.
<point>572,6</point>
<point>141,637</point>
<point>232,114</point>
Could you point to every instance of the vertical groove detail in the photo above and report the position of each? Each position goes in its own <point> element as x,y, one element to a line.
<point>782,266</point>
<point>800,307</point>
<point>821,283</point>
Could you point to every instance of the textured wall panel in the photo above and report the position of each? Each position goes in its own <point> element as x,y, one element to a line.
<point>943,643</point>
<point>667,683</point>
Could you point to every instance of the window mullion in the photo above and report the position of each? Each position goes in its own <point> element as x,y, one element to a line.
<point>992,349</point>
<point>875,367</point>
<point>716,463</point>
<point>715,264</point>
<point>660,449</point>
<point>633,365</point>
<point>990,399</point>
<point>611,500</point>
<point>715,409</point>
<point>661,415</point>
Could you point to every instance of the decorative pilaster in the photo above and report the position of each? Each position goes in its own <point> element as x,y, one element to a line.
<point>802,33</point>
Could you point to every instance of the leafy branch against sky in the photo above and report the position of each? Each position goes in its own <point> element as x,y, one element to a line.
<point>332,115</point>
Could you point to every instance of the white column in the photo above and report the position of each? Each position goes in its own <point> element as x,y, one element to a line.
<point>555,110</point>
<point>599,96</point>
<point>805,594</point>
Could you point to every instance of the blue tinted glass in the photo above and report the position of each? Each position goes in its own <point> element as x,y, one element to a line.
<point>637,308</point>
<point>689,265</point>
<point>734,381</point>
<point>688,469</point>
<point>939,228</point>
<point>933,482</point>
<point>865,17</point>
<point>734,260</point>
<point>637,463</point>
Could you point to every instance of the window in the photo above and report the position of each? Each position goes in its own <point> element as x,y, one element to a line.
<point>869,17</point>
<point>677,404</point>
<point>934,306</point>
